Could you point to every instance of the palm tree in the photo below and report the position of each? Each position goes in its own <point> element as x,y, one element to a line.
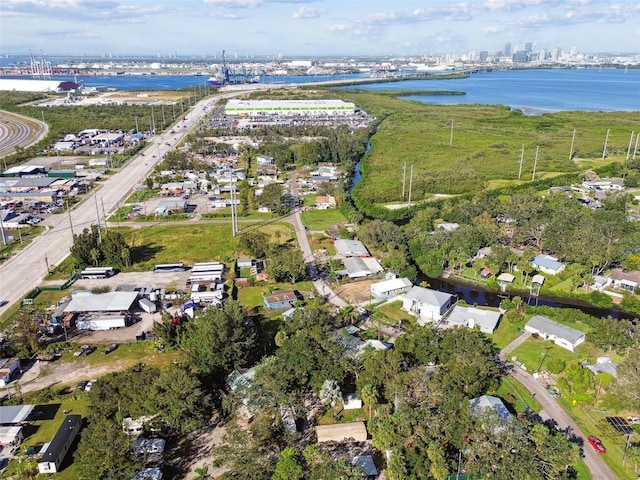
<point>369,395</point>
<point>203,473</point>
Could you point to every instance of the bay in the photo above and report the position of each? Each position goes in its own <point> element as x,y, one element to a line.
<point>534,91</point>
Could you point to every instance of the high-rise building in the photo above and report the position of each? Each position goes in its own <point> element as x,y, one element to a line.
<point>483,55</point>
<point>527,46</point>
<point>507,49</point>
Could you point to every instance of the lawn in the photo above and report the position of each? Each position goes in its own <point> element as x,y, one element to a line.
<point>534,352</point>
<point>318,220</point>
<point>516,395</point>
<point>393,312</point>
<point>251,297</point>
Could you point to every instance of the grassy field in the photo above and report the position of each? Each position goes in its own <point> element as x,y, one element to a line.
<point>318,220</point>
<point>517,395</point>
<point>251,297</point>
<point>487,145</point>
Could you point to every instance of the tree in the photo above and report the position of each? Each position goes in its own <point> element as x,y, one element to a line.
<point>85,249</point>
<point>369,395</point>
<point>254,243</point>
<point>330,393</point>
<point>289,467</point>
<point>103,452</point>
<point>219,340</point>
<point>626,388</point>
<point>286,264</point>
<point>272,197</point>
<point>26,328</point>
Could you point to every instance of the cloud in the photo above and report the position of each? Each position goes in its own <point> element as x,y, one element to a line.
<point>305,12</point>
<point>252,3</point>
<point>85,10</point>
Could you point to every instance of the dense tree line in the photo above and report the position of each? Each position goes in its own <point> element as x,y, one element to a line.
<point>285,262</point>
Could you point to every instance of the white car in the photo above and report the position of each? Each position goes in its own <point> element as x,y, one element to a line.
<point>634,420</point>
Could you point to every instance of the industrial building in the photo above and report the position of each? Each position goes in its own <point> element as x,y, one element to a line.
<point>253,108</point>
<point>102,311</point>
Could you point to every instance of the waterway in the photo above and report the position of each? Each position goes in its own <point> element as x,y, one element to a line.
<point>534,91</point>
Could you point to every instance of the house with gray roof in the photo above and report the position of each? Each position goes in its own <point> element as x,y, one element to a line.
<point>470,317</point>
<point>351,248</point>
<point>562,335</point>
<point>547,264</point>
<point>486,405</point>
<point>426,304</point>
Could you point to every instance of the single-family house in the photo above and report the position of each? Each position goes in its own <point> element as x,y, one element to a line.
<point>481,406</point>
<point>264,160</point>
<point>485,273</point>
<point>547,264</point>
<point>390,288</point>
<point>351,248</point>
<point>622,280</point>
<point>366,465</point>
<point>361,267</point>
<point>325,201</point>
<point>504,280</point>
<point>342,432</point>
<point>244,263</point>
<point>562,335</point>
<point>485,320</point>
<point>483,252</point>
<point>426,304</point>
<point>8,369</point>
<point>604,365</point>
<point>280,299</point>
<point>59,446</point>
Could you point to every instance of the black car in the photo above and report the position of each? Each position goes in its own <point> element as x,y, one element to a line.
<point>82,385</point>
<point>109,349</point>
<point>89,350</point>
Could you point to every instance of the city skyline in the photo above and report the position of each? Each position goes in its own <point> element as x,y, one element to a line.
<point>313,27</point>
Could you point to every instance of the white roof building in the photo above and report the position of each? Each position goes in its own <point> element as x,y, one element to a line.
<point>103,302</point>
<point>486,320</point>
<point>390,288</point>
<point>562,335</point>
<point>351,248</point>
<point>426,304</point>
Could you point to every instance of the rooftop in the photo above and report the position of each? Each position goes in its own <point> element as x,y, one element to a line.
<point>428,296</point>
<point>553,328</point>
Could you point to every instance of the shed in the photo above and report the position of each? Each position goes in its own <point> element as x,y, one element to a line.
<point>342,432</point>
<point>11,435</point>
<point>562,335</point>
<point>351,402</point>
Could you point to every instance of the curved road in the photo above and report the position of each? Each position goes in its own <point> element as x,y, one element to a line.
<point>25,270</point>
<point>19,131</point>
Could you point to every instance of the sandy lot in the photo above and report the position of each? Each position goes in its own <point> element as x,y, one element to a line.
<point>356,293</point>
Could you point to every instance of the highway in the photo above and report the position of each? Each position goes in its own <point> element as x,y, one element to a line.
<point>26,269</point>
<point>19,131</point>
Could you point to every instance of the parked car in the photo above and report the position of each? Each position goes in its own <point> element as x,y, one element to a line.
<point>89,385</point>
<point>84,350</point>
<point>634,420</point>
<point>82,385</point>
<point>597,444</point>
<point>109,349</point>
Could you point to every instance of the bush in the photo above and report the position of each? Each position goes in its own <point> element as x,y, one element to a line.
<point>556,365</point>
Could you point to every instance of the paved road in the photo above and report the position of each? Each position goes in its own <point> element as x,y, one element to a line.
<point>598,468</point>
<point>19,131</point>
<point>25,270</point>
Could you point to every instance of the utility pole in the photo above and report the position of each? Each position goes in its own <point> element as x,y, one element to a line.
<point>535,164</point>
<point>137,129</point>
<point>573,138</point>
<point>635,150</point>
<point>95,199</point>
<point>606,140</point>
<point>46,261</point>
<point>404,177</point>
<point>521,160</point>
<point>451,135</point>
<point>629,148</point>
<point>104,215</point>
<point>69,213</point>
<point>4,238</point>
<point>410,183</point>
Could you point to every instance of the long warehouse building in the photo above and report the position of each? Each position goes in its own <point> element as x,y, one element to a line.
<point>253,108</point>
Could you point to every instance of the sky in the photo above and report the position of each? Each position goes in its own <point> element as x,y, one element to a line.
<point>247,28</point>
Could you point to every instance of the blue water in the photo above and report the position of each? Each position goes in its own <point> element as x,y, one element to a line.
<point>535,91</point>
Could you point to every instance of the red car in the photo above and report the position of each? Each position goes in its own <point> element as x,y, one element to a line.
<point>597,444</point>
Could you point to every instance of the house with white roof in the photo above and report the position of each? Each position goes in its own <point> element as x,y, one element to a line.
<point>547,264</point>
<point>361,267</point>
<point>426,304</point>
<point>471,317</point>
<point>562,335</point>
<point>390,288</point>
<point>351,248</point>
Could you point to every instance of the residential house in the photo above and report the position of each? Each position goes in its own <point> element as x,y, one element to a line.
<point>8,369</point>
<point>244,263</point>
<point>280,299</point>
<point>342,432</point>
<point>426,304</point>
<point>264,160</point>
<point>59,446</point>
<point>485,320</point>
<point>366,465</point>
<point>390,288</point>
<point>504,280</point>
<point>547,264</point>
<point>351,248</point>
<point>325,201</point>
<point>361,267</point>
<point>623,280</point>
<point>562,335</point>
<point>483,252</point>
<point>170,207</point>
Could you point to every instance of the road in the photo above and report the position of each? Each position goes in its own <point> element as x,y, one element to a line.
<point>19,131</point>
<point>598,468</point>
<point>26,269</point>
